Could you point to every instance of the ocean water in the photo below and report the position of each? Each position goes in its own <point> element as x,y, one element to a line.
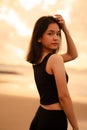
<point>18,80</point>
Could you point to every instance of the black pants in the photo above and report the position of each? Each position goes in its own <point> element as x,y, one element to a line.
<point>49,120</point>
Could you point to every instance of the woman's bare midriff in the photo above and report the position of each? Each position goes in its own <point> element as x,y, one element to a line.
<point>55,106</point>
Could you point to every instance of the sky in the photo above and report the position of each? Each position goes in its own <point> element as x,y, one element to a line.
<point>18,17</point>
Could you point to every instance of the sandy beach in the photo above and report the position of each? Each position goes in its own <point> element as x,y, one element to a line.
<point>16,112</point>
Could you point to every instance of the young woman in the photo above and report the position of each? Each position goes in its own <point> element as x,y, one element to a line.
<point>50,74</point>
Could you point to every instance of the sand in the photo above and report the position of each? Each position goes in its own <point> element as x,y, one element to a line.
<point>16,112</point>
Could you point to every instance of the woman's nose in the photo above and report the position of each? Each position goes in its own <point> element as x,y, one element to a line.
<point>56,37</point>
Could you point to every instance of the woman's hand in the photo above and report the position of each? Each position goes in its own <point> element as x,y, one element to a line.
<point>61,22</point>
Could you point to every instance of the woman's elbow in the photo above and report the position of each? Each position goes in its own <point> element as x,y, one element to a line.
<point>75,56</point>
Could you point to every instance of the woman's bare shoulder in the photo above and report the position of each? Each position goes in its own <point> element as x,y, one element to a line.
<point>56,58</point>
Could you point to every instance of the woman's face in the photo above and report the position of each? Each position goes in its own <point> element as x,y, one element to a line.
<point>51,38</point>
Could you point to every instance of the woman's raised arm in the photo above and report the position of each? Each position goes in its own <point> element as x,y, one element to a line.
<point>71,52</point>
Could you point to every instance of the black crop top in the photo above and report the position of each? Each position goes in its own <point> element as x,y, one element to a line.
<point>46,84</point>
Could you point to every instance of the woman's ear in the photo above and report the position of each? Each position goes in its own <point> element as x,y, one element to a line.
<point>39,40</point>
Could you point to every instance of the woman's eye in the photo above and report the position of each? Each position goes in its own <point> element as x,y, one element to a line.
<point>59,34</point>
<point>49,33</point>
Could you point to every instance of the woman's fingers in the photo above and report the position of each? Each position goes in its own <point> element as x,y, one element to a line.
<point>60,20</point>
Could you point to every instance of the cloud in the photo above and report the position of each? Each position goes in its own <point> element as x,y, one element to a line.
<point>20,19</point>
<point>78,18</point>
<point>10,16</point>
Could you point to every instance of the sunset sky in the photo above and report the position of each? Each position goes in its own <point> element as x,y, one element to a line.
<point>17,19</point>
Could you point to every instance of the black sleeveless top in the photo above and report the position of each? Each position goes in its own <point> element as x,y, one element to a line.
<point>45,83</point>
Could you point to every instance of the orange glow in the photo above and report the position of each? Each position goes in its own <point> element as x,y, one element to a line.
<point>10,16</point>
<point>18,19</point>
<point>18,92</point>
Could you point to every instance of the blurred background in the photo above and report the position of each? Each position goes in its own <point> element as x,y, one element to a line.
<point>18,93</point>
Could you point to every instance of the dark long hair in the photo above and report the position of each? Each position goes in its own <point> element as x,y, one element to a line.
<point>35,48</point>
